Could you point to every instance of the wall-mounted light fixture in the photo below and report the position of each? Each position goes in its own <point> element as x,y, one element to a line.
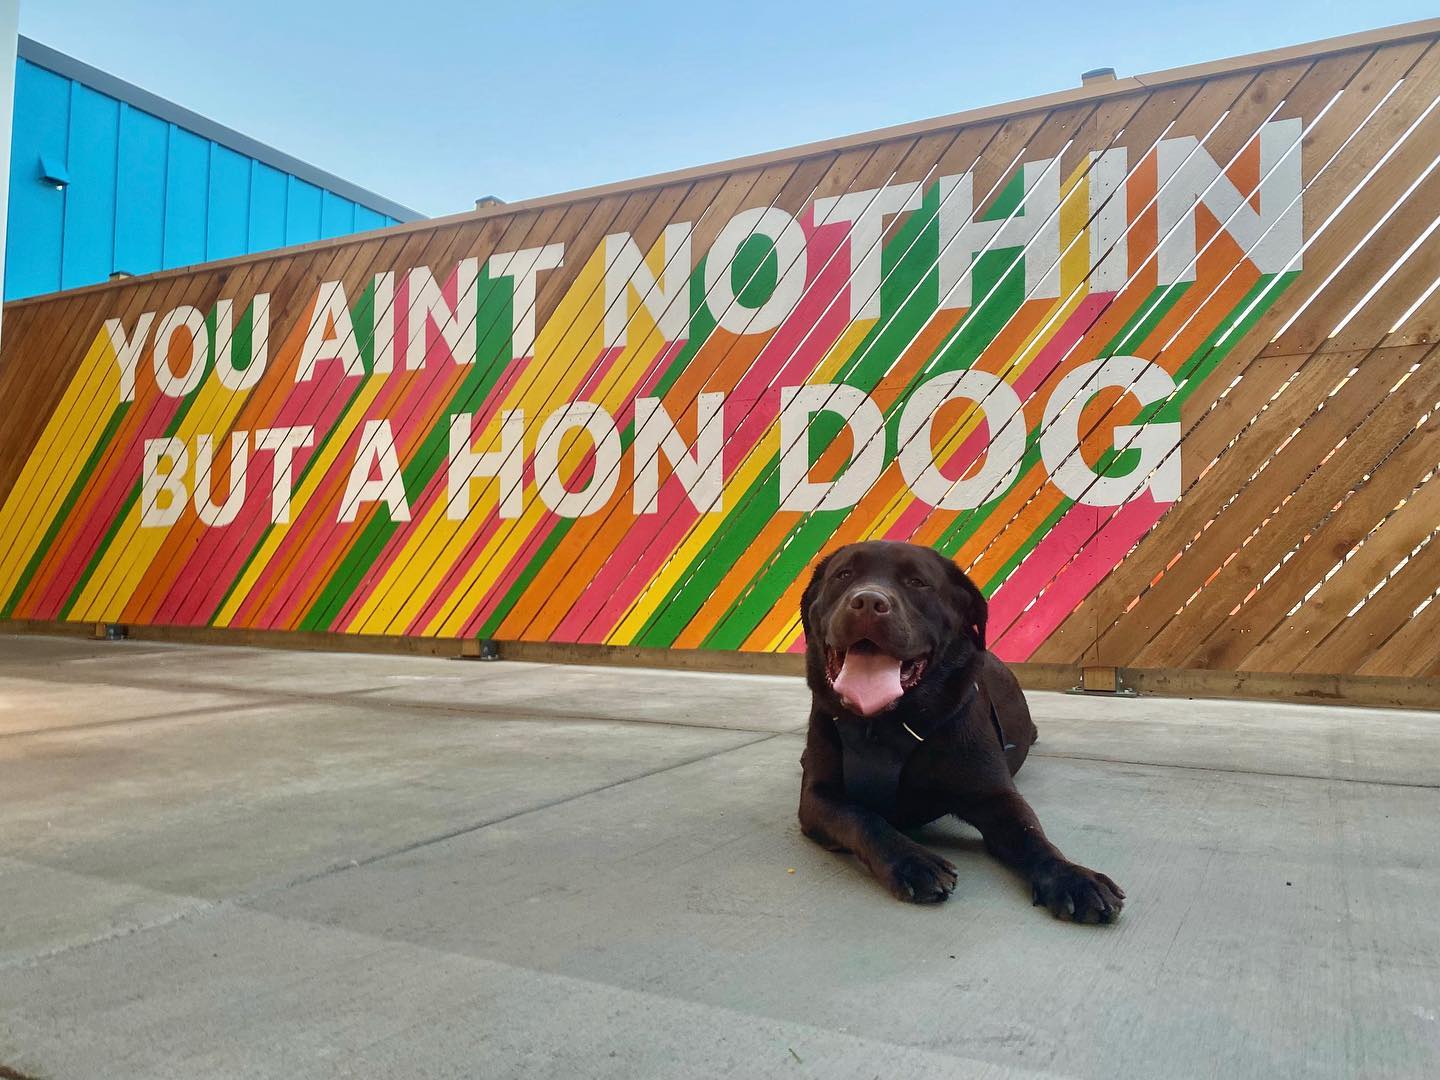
<point>54,172</point>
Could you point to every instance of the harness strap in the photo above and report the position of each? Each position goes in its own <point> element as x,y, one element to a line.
<point>875,754</point>
<point>999,733</point>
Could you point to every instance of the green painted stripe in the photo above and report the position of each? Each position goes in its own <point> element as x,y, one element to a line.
<point>908,264</point>
<point>62,515</point>
<point>909,298</point>
<point>1189,376</point>
<point>1136,328</point>
<point>493,320</point>
<point>995,580</point>
<point>105,542</point>
<point>134,496</point>
<point>999,279</point>
<point>1210,354</point>
<point>362,318</point>
<point>1143,320</point>
<point>702,325</point>
<point>788,563</point>
<point>296,485</point>
<point>537,561</point>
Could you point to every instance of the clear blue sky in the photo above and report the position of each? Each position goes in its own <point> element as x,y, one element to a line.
<point>435,103</point>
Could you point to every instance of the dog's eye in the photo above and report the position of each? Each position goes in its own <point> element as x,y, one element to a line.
<point>917,583</point>
<point>841,575</point>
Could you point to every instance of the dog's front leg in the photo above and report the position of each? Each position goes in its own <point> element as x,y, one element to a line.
<point>908,870</point>
<point>1013,835</point>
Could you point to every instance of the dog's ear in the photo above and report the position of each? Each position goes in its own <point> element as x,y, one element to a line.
<point>973,608</point>
<point>811,591</point>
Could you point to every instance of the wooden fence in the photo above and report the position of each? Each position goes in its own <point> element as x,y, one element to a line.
<point>1152,359</point>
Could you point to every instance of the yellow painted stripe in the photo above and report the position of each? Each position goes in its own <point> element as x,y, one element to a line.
<point>575,330</point>
<point>300,498</point>
<point>1074,215</point>
<point>1074,264</point>
<point>754,463</point>
<point>782,641</point>
<point>700,533</point>
<point>123,564</point>
<point>54,464</point>
<point>407,592</point>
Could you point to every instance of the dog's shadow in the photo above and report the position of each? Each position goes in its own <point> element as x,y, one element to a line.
<point>948,836</point>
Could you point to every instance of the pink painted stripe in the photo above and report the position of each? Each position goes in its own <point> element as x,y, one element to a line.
<point>1023,631</point>
<point>910,519</point>
<point>216,560</point>
<point>799,343</point>
<point>285,403</point>
<point>436,490</point>
<point>643,387</point>
<point>1040,368</point>
<point>445,598</point>
<point>625,417</point>
<point>105,492</point>
<point>957,464</point>
<point>322,503</point>
<point>316,532</point>
<point>804,337</point>
<point>1062,339</point>
<point>639,554</point>
<point>410,422</point>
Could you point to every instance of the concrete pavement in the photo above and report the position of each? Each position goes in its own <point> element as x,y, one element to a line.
<point>247,863</point>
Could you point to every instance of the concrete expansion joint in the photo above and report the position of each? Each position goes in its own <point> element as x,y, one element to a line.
<point>261,697</point>
<point>1236,772</point>
<point>197,907</point>
<point>179,714</point>
<point>345,865</point>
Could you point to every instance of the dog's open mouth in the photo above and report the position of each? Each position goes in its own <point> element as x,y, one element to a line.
<point>868,680</point>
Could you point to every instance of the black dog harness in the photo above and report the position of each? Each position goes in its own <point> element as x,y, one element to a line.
<point>877,751</point>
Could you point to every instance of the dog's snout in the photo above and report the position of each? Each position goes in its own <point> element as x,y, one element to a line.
<point>870,602</point>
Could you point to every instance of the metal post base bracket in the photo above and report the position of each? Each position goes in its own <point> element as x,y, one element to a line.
<point>479,649</point>
<point>1102,680</point>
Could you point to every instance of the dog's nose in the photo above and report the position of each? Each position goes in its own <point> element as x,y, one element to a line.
<point>870,601</point>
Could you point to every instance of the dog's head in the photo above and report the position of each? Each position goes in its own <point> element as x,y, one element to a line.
<point>886,620</point>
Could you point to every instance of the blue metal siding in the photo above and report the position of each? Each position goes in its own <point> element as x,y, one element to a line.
<point>337,215</point>
<point>143,193</point>
<point>302,212</point>
<point>140,231</point>
<point>37,210</point>
<point>267,207</point>
<point>187,171</point>
<point>367,219</point>
<point>229,210</point>
<point>87,250</point>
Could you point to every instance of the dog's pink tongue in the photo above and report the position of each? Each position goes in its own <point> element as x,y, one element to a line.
<point>868,681</point>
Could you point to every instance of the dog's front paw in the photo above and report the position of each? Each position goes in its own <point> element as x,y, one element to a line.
<point>1072,892</point>
<point>918,875</point>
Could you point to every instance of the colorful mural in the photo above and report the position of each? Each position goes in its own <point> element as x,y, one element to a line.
<point>618,423</point>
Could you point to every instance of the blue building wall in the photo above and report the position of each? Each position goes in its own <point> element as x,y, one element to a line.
<point>145,190</point>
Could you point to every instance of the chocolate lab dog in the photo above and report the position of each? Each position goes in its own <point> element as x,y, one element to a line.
<point>912,719</point>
